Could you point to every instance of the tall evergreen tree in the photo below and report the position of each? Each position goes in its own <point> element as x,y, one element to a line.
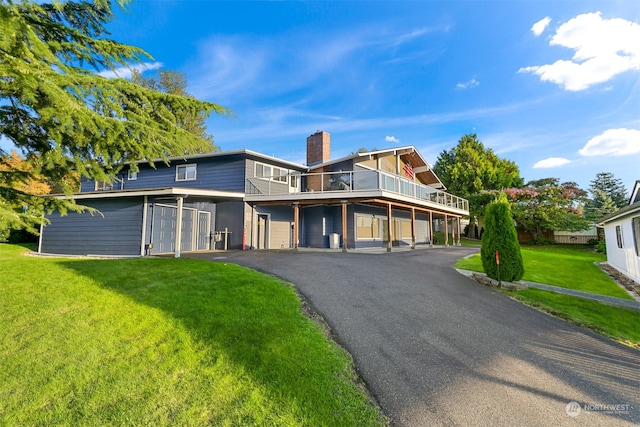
<point>600,206</point>
<point>63,117</point>
<point>175,83</point>
<point>608,194</point>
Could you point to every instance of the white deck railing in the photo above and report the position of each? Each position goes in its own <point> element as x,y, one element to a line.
<point>352,182</point>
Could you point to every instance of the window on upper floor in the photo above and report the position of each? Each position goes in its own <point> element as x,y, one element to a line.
<point>131,175</point>
<point>271,172</point>
<point>186,172</point>
<point>103,186</point>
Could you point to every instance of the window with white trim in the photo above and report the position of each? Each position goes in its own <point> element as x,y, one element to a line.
<point>269,172</point>
<point>103,186</point>
<point>186,172</point>
<point>132,175</point>
<point>635,226</point>
<point>619,236</point>
<point>367,227</point>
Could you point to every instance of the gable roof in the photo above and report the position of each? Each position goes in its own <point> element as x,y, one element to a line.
<point>634,205</point>
<point>620,213</point>
<point>635,193</point>
<point>409,154</point>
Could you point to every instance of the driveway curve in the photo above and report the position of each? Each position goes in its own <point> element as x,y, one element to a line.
<point>437,349</point>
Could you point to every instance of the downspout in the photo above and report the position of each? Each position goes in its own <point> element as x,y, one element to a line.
<point>178,242</point>
<point>145,207</point>
<point>40,236</point>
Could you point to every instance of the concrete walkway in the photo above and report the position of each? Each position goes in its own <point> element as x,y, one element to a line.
<point>618,302</point>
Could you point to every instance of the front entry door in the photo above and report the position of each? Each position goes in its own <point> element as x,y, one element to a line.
<point>263,232</point>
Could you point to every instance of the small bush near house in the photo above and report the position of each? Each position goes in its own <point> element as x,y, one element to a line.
<point>540,241</point>
<point>21,236</point>
<point>500,235</point>
<point>598,244</point>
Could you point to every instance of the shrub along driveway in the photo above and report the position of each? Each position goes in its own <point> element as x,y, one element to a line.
<point>437,348</point>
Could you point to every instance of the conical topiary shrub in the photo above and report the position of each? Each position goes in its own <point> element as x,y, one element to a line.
<point>500,235</point>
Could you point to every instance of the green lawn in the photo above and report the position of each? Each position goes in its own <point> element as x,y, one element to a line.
<point>565,266</point>
<point>618,323</point>
<point>164,342</point>
<point>439,236</point>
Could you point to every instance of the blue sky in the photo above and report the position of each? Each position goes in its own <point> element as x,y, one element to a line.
<point>551,85</point>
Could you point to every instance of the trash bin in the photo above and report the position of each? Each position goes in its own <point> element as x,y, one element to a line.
<point>334,241</point>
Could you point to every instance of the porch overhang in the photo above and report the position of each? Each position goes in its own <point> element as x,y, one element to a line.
<point>380,198</point>
<point>151,192</point>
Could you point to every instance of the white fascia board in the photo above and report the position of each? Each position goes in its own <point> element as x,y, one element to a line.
<point>226,153</point>
<point>311,195</point>
<point>622,213</point>
<point>172,191</point>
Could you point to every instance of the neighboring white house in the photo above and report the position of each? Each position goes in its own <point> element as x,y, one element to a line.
<point>622,235</point>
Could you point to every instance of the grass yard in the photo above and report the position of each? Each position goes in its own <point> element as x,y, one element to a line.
<point>565,266</point>
<point>618,323</point>
<point>439,236</point>
<point>164,342</point>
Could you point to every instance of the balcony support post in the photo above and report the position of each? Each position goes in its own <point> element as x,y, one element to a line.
<point>389,228</point>
<point>431,228</point>
<point>344,225</point>
<point>446,230</point>
<point>296,224</point>
<point>413,228</point>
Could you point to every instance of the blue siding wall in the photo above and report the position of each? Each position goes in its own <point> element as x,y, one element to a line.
<point>319,222</point>
<point>231,215</point>
<point>119,232</point>
<point>225,173</point>
<point>220,172</point>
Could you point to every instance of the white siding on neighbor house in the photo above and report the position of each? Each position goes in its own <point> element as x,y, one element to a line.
<point>624,259</point>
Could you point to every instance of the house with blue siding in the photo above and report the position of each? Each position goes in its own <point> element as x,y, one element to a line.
<point>246,200</point>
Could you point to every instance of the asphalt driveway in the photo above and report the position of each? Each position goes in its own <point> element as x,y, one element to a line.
<point>438,349</point>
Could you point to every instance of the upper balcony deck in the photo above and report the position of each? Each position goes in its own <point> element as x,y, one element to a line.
<point>353,185</point>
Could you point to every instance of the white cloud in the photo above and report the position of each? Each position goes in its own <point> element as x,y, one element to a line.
<point>466,85</point>
<point>391,139</point>
<point>539,27</point>
<point>125,72</point>
<point>603,49</point>
<point>613,142</point>
<point>551,162</point>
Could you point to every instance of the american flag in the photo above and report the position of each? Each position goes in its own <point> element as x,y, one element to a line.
<point>408,170</point>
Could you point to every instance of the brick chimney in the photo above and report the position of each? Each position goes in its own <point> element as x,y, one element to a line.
<point>318,148</point>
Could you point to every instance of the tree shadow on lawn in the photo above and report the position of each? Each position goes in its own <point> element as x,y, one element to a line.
<point>249,318</point>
